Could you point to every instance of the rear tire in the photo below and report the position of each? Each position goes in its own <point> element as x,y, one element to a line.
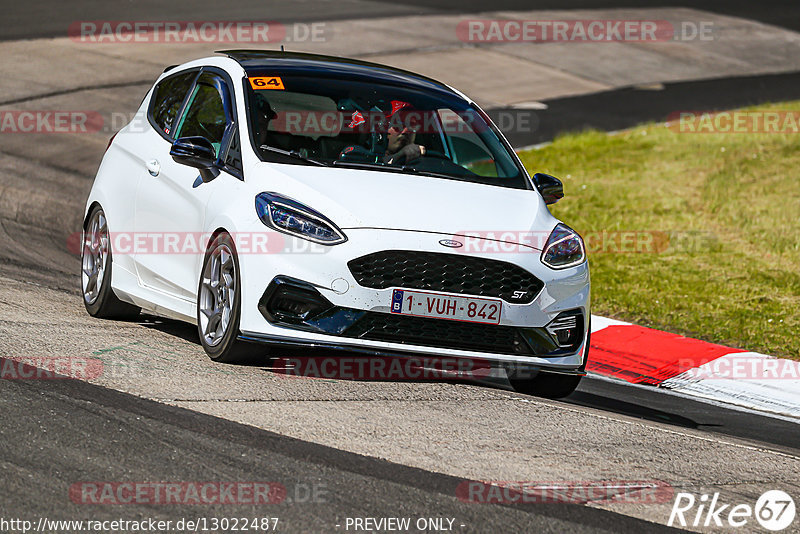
<point>547,385</point>
<point>96,264</point>
<point>219,305</point>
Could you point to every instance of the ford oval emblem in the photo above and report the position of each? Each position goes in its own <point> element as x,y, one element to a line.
<point>450,243</point>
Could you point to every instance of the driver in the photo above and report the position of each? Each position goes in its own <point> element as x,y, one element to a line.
<point>388,128</point>
<point>401,148</point>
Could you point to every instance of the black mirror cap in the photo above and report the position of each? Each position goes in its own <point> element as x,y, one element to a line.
<point>550,187</point>
<point>197,152</point>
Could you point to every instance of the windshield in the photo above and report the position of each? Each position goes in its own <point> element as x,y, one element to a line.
<point>363,124</point>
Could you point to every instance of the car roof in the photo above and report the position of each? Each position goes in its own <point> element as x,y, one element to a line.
<point>320,65</point>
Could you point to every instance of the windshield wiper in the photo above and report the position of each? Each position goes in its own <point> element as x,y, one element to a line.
<point>364,165</point>
<point>292,154</point>
<point>404,169</point>
<point>434,174</point>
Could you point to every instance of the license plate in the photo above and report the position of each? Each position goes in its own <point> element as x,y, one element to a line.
<point>425,304</point>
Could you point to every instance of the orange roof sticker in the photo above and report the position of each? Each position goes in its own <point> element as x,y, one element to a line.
<point>266,82</point>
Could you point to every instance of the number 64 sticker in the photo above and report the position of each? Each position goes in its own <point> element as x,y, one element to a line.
<point>266,82</point>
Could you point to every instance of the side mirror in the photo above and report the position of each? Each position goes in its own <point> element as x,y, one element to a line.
<point>197,152</point>
<point>550,187</point>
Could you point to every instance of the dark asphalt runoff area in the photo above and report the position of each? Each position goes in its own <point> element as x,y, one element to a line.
<point>629,106</point>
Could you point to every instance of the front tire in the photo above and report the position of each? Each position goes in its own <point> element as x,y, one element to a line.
<point>219,304</point>
<point>96,263</point>
<point>547,385</point>
<point>551,385</point>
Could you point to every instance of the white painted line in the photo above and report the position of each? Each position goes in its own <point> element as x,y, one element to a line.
<point>533,104</point>
<point>537,146</point>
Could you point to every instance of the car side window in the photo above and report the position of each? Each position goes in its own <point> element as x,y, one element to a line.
<point>205,115</point>
<point>167,99</point>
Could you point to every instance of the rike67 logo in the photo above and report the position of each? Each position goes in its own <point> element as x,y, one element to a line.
<point>774,510</point>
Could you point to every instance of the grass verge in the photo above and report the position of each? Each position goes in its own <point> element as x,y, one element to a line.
<point>693,233</point>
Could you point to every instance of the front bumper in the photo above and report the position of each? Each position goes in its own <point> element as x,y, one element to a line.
<point>325,268</point>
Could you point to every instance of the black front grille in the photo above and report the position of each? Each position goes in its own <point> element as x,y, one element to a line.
<point>450,273</point>
<point>441,333</point>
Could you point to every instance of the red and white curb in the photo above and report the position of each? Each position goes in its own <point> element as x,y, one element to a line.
<point>692,367</point>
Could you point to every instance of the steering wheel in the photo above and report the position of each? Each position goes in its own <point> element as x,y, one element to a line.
<point>435,154</point>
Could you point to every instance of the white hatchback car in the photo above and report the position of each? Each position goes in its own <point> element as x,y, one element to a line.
<point>313,201</point>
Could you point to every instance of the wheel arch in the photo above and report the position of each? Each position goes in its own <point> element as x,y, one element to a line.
<point>201,259</point>
<point>214,235</point>
<point>94,204</point>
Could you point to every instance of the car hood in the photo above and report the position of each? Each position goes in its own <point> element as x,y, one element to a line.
<point>376,199</point>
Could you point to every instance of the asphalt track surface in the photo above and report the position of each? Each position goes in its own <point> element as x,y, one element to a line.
<point>75,431</point>
<point>57,432</point>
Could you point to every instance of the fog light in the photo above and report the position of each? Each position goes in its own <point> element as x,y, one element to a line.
<point>292,301</point>
<point>567,329</point>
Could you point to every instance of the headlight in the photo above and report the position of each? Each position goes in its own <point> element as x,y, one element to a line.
<point>291,217</point>
<point>564,248</point>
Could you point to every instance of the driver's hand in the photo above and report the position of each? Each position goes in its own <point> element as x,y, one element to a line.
<point>405,155</point>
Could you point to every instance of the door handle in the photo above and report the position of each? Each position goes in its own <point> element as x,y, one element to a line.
<point>153,167</point>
